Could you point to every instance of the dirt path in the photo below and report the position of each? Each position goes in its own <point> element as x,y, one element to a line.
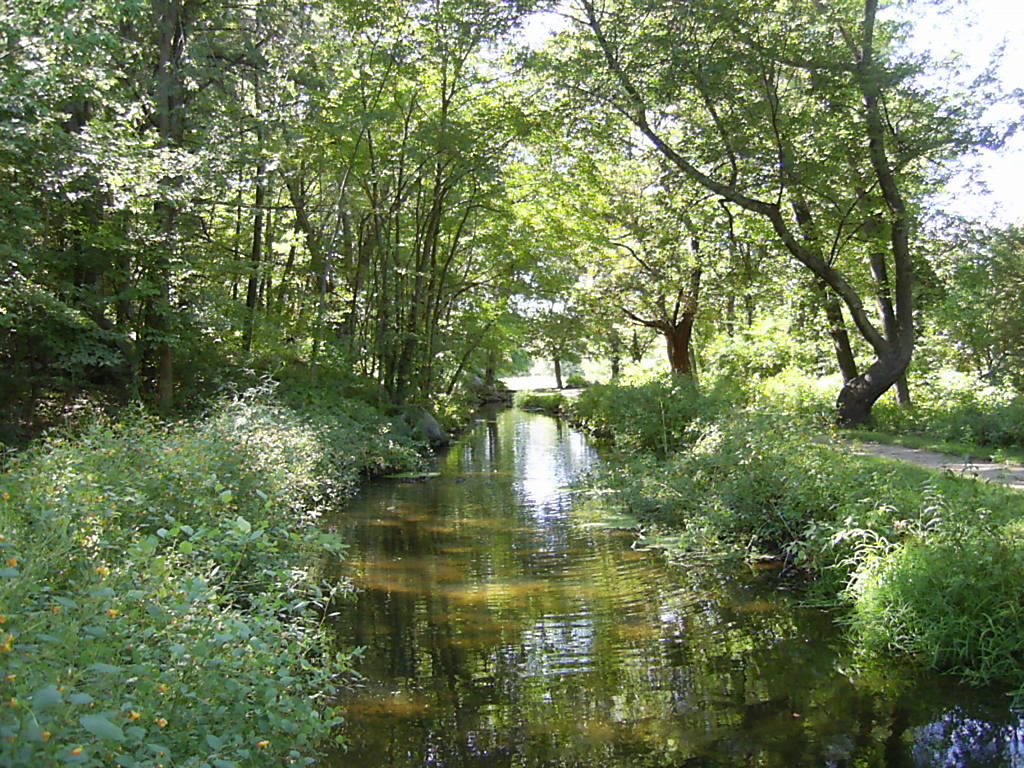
<point>1011,475</point>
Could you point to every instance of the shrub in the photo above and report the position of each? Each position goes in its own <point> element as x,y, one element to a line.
<point>951,600</point>
<point>549,402</point>
<point>659,416</point>
<point>954,407</point>
<point>807,399</point>
<point>156,595</point>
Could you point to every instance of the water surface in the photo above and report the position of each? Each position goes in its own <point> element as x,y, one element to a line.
<point>502,629</point>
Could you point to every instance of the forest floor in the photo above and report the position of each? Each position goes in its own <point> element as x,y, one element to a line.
<point>1010,475</point>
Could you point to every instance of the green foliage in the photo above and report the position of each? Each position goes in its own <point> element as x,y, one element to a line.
<point>661,415</point>
<point>357,439</point>
<point>955,407</point>
<point>980,323</point>
<point>930,565</point>
<point>758,352</point>
<point>554,403</point>
<point>809,399</point>
<point>947,593</point>
<point>577,380</point>
<point>157,602</point>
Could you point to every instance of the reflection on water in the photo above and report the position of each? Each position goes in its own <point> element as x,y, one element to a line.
<point>501,632</point>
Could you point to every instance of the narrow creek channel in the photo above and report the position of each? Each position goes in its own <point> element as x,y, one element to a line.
<point>501,630</point>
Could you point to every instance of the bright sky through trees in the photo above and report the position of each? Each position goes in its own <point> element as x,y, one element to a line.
<point>974,29</point>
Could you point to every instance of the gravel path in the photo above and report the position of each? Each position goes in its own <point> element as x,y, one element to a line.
<point>1011,475</point>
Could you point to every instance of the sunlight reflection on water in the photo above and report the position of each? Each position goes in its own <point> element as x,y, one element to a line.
<point>500,630</point>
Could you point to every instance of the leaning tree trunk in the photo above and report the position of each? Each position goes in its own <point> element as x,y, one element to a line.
<point>859,394</point>
<point>840,336</point>
<point>558,373</point>
<point>889,323</point>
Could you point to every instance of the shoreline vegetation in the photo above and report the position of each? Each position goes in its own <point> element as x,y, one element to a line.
<point>161,599</point>
<point>917,563</point>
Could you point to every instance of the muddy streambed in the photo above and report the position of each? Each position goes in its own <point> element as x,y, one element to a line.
<point>502,629</point>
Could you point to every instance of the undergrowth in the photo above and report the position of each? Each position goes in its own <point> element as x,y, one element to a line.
<point>553,403</point>
<point>924,564</point>
<point>157,600</point>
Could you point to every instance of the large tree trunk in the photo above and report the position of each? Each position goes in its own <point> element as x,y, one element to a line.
<point>558,374</point>
<point>889,324</point>
<point>677,341</point>
<point>859,394</point>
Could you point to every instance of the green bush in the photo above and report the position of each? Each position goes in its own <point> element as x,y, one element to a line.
<point>950,599</point>
<point>157,604</point>
<point>930,565</point>
<point>549,402</point>
<point>950,406</point>
<point>660,416</point>
<point>799,397</point>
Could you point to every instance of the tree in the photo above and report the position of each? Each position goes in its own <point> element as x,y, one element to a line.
<point>980,314</point>
<point>557,333</point>
<point>798,114</point>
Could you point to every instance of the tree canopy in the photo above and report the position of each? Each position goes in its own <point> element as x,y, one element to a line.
<point>194,188</point>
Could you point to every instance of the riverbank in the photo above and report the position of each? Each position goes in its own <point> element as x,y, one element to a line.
<point>505,621</point>
<point>159,595</point>
<point>919,563</point>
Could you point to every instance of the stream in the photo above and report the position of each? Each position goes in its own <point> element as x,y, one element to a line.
<point>501,629</point>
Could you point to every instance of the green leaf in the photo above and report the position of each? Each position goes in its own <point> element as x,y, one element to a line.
<point>9,573</point>
<point>243,525</point>
<point>186,547</point>
<point>214,742</point>
<point>101,727</point>
<point>104,669</point>
<point>225,497</point>
<point>46,697</point>
<point>80,699</point>
<point>159,750</point>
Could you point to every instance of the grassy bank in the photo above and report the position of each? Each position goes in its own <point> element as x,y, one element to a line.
<point>158,591</point>
<point>922,564</point>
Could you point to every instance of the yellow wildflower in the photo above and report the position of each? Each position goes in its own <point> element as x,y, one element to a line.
<point>45,735</point>
<point>12,561</point>
<point>112,612</point>
<point>161,721</point>
<point>133,715</point>
<point>102,570</point>
<point>263,744</point>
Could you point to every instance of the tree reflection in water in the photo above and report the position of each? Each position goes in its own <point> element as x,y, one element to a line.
<point>501,631</point>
